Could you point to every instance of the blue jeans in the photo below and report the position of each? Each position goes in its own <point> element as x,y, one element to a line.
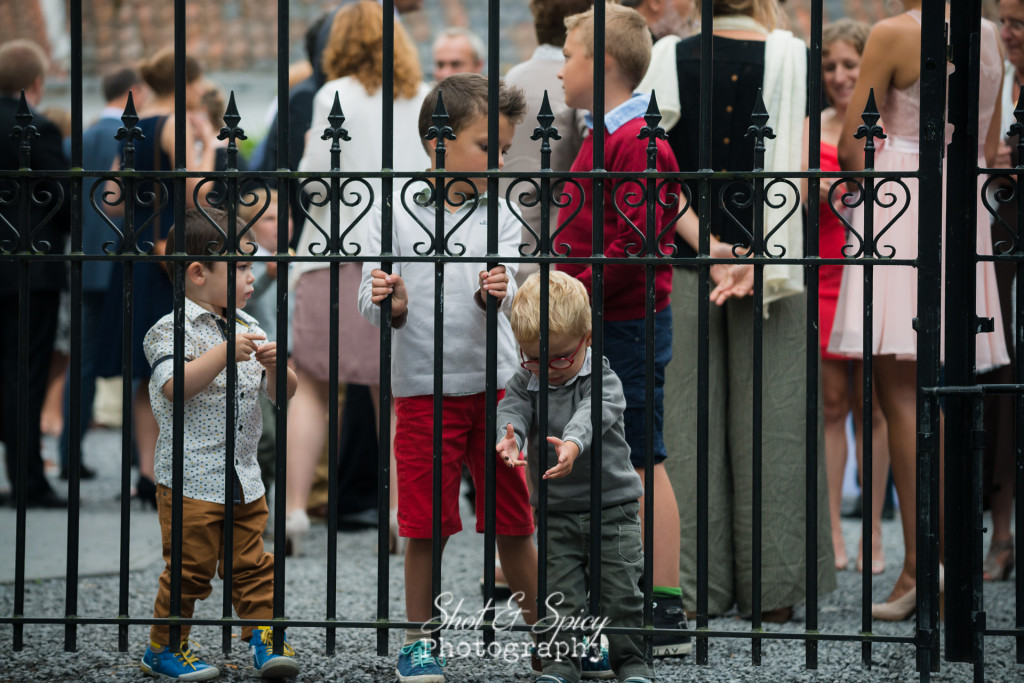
<point>625,351</point>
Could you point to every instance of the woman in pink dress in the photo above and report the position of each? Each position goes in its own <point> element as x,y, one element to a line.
<point>891,66</point>
<point>842,43</point>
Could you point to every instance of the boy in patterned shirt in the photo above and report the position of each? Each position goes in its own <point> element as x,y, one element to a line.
<point>205,389</point>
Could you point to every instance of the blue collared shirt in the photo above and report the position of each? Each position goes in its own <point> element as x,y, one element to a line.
<point>632,108</point>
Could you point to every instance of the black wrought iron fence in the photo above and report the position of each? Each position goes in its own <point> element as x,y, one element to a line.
<point>25,189</point>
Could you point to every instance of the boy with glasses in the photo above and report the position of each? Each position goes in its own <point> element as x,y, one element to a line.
<point>570,364</point>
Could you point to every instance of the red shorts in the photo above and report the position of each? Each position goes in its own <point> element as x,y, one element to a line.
<point>465,441</point>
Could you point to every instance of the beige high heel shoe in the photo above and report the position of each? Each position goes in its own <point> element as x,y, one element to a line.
<point>900,609</point>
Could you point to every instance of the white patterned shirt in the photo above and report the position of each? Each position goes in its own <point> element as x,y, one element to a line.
<point>205,413</point>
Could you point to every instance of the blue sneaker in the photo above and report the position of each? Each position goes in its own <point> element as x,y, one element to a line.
<point>596,665</point>
<point>269,665</point>
<point>416,664</point>
<point>180,666</point>
<point>550,678</point>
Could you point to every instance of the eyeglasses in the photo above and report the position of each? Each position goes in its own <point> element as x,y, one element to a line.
<point>554,363</point>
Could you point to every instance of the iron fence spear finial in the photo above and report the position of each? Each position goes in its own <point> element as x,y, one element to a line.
<point>25,131</point>
<point>335,132</point>
<point>653,132</point>
<point>129,131</point>
<point>231,132</point>
<point>870,129</point>
<point>440,131</point>
<point>545,132</point>
<point>759,129</point>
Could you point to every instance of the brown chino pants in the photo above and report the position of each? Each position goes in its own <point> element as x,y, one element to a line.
<point>202,553</point>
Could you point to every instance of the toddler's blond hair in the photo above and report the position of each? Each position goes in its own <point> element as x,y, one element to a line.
<point>568,308</point>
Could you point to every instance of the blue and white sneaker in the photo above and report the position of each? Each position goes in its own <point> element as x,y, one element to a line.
<point>416,664</point>
<point>269,665</point>
<point>179,666</point>
<point>597,667</point>
<point>550,678</point>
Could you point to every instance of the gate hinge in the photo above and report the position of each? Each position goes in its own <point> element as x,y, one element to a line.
<point>913,324</point>
<point>982,325</point>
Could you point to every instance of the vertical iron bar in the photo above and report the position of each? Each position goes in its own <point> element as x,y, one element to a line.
<point>932,142</point>
<point>74,463</point>
<point>127,427</point>
<point>384,418</point>
<point>230,407</point>
<point>284,189</point>
<point>597,315</point>
<point>977,464</point>
<point>545,119</point>
<point>868,130</point>
<point>21,499</point>
<point>960,328</point>
<point>813,333</point>
<point>756,409</point>
<point>178,399</point>
<point>443,132</point>
<point>1018,370</point>
<point>491,372</point>
<point>704,325</point>
<point>334,247</point>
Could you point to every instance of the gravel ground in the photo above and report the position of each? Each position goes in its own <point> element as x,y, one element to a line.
<point>43,658</point>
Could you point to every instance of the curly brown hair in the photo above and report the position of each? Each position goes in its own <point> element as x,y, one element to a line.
<point>356,48</point>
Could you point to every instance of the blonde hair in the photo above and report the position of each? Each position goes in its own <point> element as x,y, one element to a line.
<point>765,12</point>
<point>627,39</point>
<point>568,307</point>
<point>356,48</point>
<point>854,33</point>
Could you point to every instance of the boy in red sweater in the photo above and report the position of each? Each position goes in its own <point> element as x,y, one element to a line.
<point>627,54</point>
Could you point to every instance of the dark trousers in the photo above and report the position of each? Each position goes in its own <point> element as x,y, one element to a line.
<point>92,308</point>
<point>18,409</point>
<point>568,566</point>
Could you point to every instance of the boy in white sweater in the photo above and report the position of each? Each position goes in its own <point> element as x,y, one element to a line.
<point>466,282</point>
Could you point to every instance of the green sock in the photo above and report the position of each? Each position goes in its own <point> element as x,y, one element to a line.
<point>668,592</point>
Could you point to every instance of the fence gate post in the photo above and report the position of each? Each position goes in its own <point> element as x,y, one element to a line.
<point>962,501</point>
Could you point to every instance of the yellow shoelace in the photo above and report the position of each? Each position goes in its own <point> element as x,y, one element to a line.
<point>185,656</point>
<point>267,638</point>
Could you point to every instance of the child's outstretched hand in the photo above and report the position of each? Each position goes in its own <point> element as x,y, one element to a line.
<point>245,345</point>
<point>494,282</point>
<point>567,453</point>
<point>389,284</point>
<point>266,354</point>
<point>508,451</point>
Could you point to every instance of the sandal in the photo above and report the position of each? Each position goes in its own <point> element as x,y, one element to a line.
<point>999,561</point>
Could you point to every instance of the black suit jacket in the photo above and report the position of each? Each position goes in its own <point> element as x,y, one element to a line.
<point>47,154</point>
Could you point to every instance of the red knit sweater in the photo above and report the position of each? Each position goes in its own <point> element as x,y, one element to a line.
<point>624,284</point>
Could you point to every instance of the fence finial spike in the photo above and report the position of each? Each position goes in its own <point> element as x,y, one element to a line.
<point>231,116</point>
<point>652,118</point>
<point>870,129</point>
<point>336,119</point>
<point>24,131</point>
<point>440,130</point>
<point>546,131</point>
<point>24,115</point>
